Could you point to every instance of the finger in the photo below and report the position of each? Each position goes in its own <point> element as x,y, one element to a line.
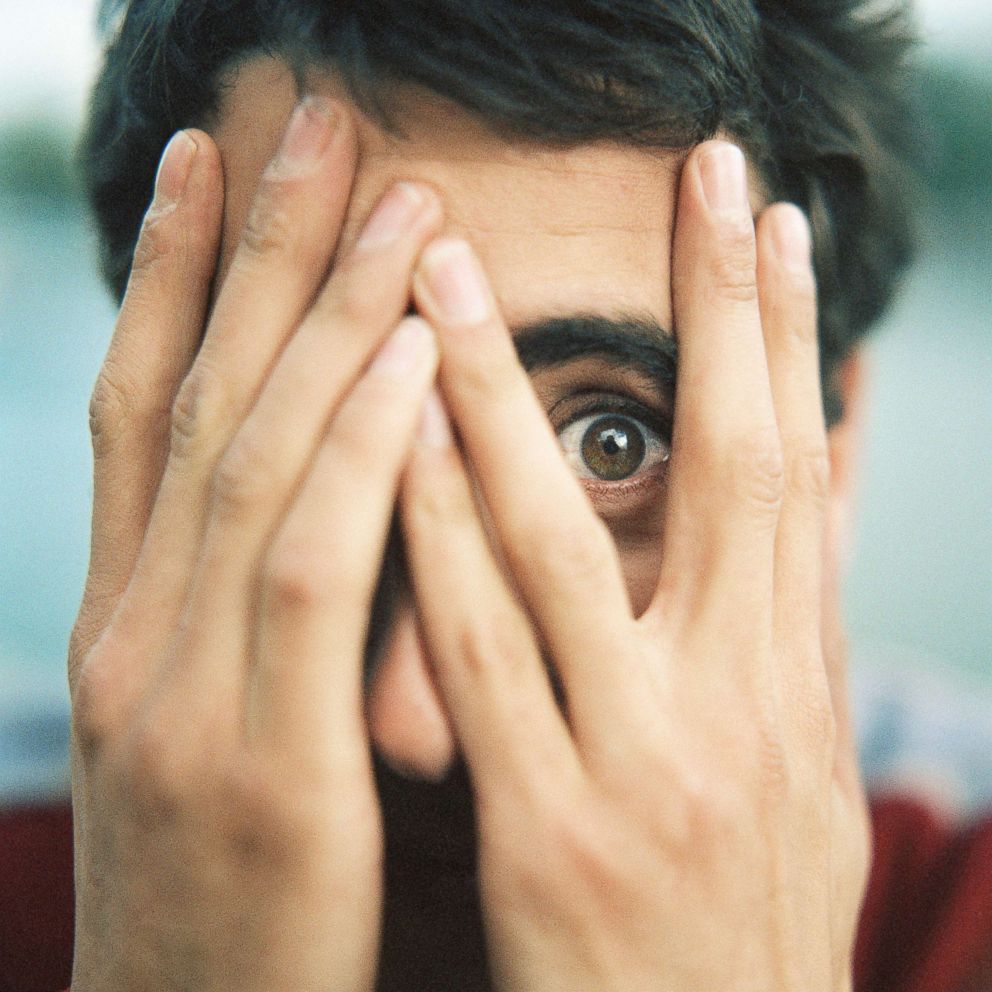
<point>406,718</point>
<point>788,312</point>
<point>559,552</point>
<point>258,475</point>
<point>153,345</point>
<point>480,643</point>
<point>290,236</point>
<point>809,677</point>
<point>152,348</point>
<point>843,440</point>
<point>725,471</point>
<point>319,575</point>
<point>364,299</point>
<point>835,657</point>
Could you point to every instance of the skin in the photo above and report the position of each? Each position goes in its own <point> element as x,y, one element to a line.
<point>695,821</point>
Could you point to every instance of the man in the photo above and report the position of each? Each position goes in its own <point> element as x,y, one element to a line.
<point>580,721</point>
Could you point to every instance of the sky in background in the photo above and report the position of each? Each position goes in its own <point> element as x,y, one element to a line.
<point>48,48</point>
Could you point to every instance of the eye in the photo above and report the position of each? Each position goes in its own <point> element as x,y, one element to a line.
<point>611,447</point>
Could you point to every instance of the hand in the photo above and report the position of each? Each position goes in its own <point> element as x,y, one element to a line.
<point>693,820</point>
<point>228,833</point>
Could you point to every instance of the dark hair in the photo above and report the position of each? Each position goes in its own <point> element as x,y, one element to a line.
<point>814,90</point>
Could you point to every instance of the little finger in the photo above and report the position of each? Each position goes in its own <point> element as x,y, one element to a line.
<point>283,256</point>
<point>154,343</point>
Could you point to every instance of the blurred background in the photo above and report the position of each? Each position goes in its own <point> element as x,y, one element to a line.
<point>919,595</point>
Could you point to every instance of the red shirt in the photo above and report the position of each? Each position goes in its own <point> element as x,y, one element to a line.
<point>926,925</point>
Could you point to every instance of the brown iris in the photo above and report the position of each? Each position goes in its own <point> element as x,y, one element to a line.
<point>613,448</point>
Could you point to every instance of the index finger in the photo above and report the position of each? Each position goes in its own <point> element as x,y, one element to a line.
<point>725,470</point>
<point>558,550</point>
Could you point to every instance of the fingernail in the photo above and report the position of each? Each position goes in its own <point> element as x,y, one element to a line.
<point>392,216</point>
<point>173,170</point>
<point>455,283</point>
<point>405,348</point>
<point>307,137</point>
<point>434,429</point>
<point>791,237</point>
<point>724,174</point>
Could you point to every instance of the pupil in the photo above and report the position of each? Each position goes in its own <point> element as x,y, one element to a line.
<point>613,448</point>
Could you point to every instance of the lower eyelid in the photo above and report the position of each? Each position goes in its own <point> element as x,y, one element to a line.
<point>649,479</point>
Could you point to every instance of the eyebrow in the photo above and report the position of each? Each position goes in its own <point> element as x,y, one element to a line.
<point>629,342</point>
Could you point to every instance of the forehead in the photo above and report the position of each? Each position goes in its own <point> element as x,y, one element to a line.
<point>560,231</point>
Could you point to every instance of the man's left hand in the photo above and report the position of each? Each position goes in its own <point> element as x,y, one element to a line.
<point>691,818</point>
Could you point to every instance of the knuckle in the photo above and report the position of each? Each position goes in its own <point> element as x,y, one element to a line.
<point>348,441</point>
<point>584,854</point>
<point>81,639</point>
<point>800,336</point>
<point>298,576</point>
<point>690,803</point>
<point>274,809</point>
<point>195,411</point>
<point>771,759</point>
<point>268,226</point>
<point>111,409</point>
<point>123,412</point>
<point>817,721</point>
<point>438,505</point>
<point>100,690</point>
<point>710,813</point>
<point>807,467</point>
<point>734,266</point>
<point>156,776</point>
<point>353,299</point>
<point>491,645</point>
<point>558,822</point>
<point>259,825</point>
<point>754,468</point>
<point>156,243</point>
<point>94,714</point>
<point>244,475</point>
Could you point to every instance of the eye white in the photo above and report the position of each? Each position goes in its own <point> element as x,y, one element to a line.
<point>570,437</point>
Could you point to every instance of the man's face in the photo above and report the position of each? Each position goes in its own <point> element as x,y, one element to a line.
<point>562,233</point>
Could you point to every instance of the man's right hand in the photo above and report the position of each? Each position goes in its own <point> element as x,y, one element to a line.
<point>228,833</point>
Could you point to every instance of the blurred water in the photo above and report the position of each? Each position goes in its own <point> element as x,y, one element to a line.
<point>54,320</point>
<point>919,594</point>
<point>922,575</point>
